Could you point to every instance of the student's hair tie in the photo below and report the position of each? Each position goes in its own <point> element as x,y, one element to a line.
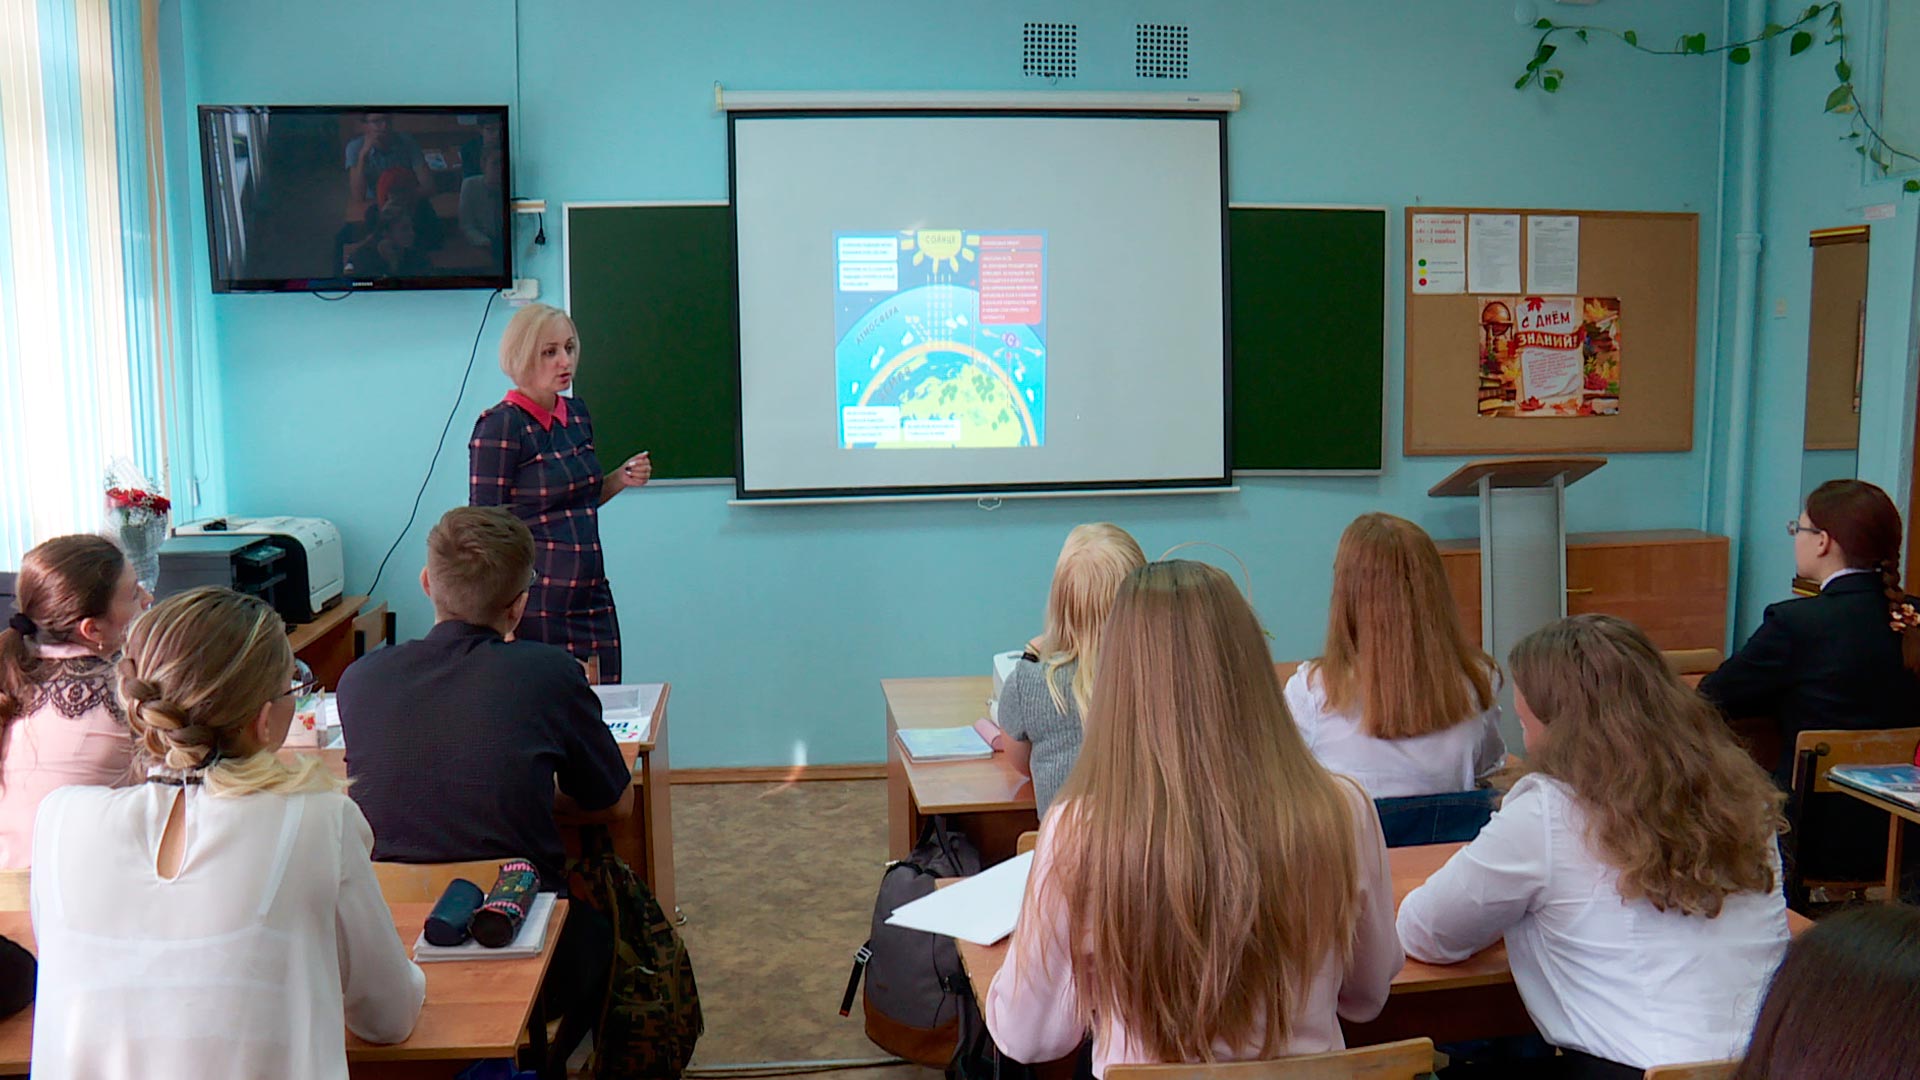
<point>22,625</point>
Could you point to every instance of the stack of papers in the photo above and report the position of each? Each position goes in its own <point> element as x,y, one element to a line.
<point>982,909</point>
<point>533,934</point>
<point>1894,783</point>
<point>628,709</point>
<point>944,744</point>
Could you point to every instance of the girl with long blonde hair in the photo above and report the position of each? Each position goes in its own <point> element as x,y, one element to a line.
<point>221,919</point>
<point>1045,697</point>
<point>1634,871</point>
<point>1401,700</point>
<point>1205,890</point>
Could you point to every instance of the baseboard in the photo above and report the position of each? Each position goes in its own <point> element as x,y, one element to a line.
<point>776,774</point>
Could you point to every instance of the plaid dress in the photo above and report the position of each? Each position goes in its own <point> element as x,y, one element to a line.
<point>548,476</point>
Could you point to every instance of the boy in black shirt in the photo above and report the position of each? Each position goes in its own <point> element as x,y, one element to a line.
<point>461,744</point>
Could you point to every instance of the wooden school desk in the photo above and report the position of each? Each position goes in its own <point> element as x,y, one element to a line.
<point>326,643</point>
<point>1895,841</point>
<point>1474,999</point>
<point>987,798</point>
<point>643,838</point>
<point>474,1009</point>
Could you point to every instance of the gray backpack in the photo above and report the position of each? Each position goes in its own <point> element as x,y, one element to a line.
<point>916,990</point>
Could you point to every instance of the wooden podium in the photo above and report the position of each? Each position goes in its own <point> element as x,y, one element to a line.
<point>1523,544</point>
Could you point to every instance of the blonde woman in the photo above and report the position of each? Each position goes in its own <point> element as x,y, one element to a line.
<point>1634,873</point>
<point>1401,701</point>
<point>221,919</point>
<point>534,454</point>
<point>1044,698</point>
<point>1204,890</point>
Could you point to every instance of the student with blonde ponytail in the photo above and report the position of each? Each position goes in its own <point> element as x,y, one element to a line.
<point>59,715</point>
<point>221,919</point>
<point>1203,890</point>
<point>1042,704</point>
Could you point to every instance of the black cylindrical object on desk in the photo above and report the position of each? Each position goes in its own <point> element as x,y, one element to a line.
<point>498,920</point>
<point>447,922</point>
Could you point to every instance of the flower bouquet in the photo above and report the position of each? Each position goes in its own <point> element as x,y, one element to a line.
<point>136,519</point>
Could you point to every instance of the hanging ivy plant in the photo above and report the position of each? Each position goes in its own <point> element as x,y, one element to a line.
<point>1843,99</point>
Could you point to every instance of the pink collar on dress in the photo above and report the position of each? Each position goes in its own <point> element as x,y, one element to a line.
<point>543,417</point>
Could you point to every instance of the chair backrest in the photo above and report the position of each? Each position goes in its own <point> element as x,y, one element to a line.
<point>592,666</point>
<point>1821,750</point>
<point>1693,664</point>
<point>15,888</point>
<point>1401,1060</point>
<point>373,628</point>
<point>1027,842</point>
<point>422,883</point>
<point>1450,818</point>
<point>1699,1070</point>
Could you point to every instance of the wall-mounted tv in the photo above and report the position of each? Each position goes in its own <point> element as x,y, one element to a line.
<point>329,198</point>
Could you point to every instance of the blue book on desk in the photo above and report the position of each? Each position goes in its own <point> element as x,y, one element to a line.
<point>944,744</point>
<point>1894,783</point>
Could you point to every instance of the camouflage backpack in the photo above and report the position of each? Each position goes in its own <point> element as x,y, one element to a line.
<point>652,1015</point>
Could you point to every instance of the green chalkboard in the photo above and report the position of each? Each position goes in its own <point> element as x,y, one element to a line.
<point>1309,343</point>
<point>651,289</point>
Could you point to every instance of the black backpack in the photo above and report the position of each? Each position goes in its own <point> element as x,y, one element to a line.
<point>916,991</point>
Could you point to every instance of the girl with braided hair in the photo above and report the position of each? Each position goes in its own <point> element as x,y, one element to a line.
<point>222,918</point>
<point>1844,658</point>
<point>60,720</point>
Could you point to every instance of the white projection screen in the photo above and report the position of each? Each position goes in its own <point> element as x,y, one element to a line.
<point>935,303</point>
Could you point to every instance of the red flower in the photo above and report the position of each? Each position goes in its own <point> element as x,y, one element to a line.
<point>1596,381</point>
<point>1530,405</point>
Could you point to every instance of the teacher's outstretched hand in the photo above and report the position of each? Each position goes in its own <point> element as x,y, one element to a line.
<point>534,453</point>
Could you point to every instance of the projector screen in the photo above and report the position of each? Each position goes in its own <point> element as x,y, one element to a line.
<point>936,303</point>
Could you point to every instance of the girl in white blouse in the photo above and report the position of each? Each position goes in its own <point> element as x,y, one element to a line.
<point>222,919</point>
<point>1634,872</point>
<point>1401,701</point>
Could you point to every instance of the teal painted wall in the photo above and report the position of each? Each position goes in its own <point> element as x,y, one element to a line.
<point>775,624</point>
<point>1811,180</point>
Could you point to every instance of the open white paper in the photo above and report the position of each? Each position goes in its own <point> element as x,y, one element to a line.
<point>1493,253</point>
<point>628,708</point>
<point>982,909</point>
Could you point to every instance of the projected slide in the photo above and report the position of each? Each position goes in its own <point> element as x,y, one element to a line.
<point>942,338</point>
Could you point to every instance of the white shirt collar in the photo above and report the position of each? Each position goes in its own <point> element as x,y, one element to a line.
<point>1837,574</point>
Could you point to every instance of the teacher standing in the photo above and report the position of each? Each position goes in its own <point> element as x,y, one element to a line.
<point>533,453</point>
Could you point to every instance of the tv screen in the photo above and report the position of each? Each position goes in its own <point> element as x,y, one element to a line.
<point>326,198</point>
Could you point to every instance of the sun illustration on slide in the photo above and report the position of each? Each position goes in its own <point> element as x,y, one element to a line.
<point>939,246</point>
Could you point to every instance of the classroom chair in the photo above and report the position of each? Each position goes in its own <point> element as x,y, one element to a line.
<point>15,889</point>
<point>1027,842</point>
<point>1691,664</point>
<point>422,883</point>
<point>374,628</point>
<point>1401,1060</point>
<point>1453,817</point>
<point>1699,1070</point>
<point>1814,754</point>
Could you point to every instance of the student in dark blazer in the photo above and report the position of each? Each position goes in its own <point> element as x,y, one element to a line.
<point>1845,658</point>
<point>463,745</point>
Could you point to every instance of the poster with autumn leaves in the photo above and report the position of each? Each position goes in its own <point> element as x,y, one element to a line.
<point>1549,356</point>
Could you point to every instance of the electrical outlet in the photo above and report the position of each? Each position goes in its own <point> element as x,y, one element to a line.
<point>525,291</point>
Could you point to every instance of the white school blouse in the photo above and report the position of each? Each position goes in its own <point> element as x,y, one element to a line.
<point>253,961</point>
<point>1455,759</point>
<point>1614,978</point>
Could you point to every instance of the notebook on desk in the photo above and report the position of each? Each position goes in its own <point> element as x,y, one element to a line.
<point>628,709</point>
<point>1894,783</point>
<point>944,744</point>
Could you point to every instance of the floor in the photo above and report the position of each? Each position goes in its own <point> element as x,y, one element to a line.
<point>777,882</point>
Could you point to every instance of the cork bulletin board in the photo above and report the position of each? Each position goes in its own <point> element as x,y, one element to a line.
<point>1649,262</point>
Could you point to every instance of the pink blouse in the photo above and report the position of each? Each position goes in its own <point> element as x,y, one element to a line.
<point>73,732</point>
<point>1033,1013</point>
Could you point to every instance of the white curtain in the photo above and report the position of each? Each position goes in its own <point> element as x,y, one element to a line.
<point>85,347</point>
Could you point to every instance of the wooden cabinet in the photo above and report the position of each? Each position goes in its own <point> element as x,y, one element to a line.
<point>1672,583</point>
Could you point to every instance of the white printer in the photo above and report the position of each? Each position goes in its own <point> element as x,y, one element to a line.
<point>315,567</point>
